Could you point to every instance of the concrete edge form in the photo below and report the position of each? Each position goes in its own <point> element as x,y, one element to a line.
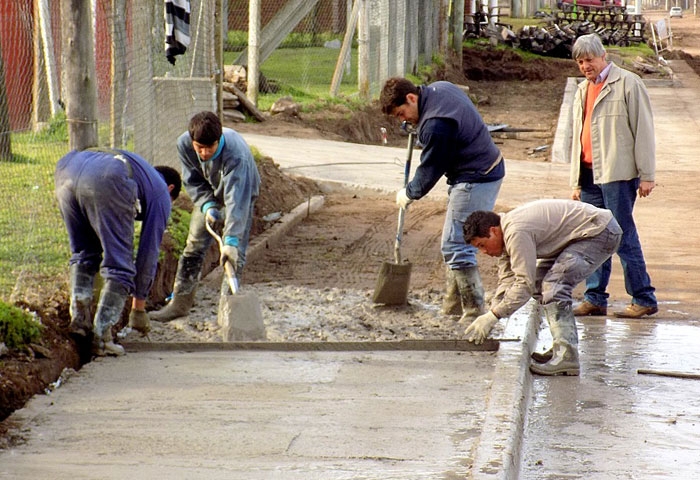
<point>270,238</point>
<point>498,453</point>
<point>428,345</point>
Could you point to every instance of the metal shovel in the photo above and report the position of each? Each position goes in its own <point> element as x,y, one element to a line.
<point>240,314</point>
<point>393,279</point>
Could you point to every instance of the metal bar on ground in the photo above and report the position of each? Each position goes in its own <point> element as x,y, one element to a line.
<point>666,373</point>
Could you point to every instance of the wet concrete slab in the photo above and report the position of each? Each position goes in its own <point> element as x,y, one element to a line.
<point>263,414</point>
<point>259,415</point>
<point>612,422</point>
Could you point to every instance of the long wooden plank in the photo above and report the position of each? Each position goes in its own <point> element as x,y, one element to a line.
<point>489,345</point>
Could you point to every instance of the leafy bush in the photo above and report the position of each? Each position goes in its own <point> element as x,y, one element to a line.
<point>17,327</point>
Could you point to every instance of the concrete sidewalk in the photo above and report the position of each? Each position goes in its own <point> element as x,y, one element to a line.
<point>280,415</point>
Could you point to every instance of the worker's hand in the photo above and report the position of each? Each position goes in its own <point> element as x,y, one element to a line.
<point>481,327</point>
<point>214,218</point>
<point>229,254</point>
<point>576,194</point>
<point>402,199</point>
<point>645,188</point>
<point>140,321</point>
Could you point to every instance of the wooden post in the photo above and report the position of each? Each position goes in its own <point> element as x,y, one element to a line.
<point>219,55</point>
<point>363,50</point>
<point>345,50</point>
<point>458,28</point>
<point>119,77</point>
<point>253,51</point>
<point>5,138</point>
<point>79,73</point>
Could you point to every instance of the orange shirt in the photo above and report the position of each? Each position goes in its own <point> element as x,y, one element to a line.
<point>592,92</point>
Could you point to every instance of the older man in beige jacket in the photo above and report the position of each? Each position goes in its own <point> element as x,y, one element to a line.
<point>613,161</point>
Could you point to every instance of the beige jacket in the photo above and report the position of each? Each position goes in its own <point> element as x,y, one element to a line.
<point>539,230</point>
<point>622,130</point>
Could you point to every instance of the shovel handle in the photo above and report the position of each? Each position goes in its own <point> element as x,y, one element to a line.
<point>402,211</point>
<point>228,268</point>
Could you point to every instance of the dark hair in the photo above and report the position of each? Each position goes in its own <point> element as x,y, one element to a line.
<point>205,128</point>
<point>171,177</point>
<point>479,223</point>
<point>394,93</point>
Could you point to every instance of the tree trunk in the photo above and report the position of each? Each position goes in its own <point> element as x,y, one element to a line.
<point>119,73</point>
<point>79,73</point>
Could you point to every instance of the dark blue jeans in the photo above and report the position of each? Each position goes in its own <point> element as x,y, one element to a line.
<point>619,198</point>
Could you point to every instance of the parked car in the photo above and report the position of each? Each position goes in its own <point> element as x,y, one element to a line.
<point>675,12</point>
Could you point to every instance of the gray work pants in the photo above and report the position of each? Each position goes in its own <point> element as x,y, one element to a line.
<point>557,277</point>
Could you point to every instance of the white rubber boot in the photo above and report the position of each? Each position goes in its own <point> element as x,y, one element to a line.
<point>109,309</point>
<point>562,324</point>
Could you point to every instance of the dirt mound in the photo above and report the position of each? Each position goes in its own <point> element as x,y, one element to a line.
<point>485,64</point>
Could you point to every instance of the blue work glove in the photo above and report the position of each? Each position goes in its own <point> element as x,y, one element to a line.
<point>229,252</point>
<point>481,327</point>
<point>402,199</point>
<point>214,218</point>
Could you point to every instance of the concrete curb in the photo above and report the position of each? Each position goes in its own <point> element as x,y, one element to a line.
<point>561,147</point>
<point>497,455</point>
<point>271,237</point>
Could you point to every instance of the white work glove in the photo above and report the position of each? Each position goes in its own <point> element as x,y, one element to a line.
<point>402,199</point>
<point>481,327</point>
<point>229,254</point>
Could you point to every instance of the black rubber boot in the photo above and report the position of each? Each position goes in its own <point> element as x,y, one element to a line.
<point>186,281</point>
<point>542,357</point>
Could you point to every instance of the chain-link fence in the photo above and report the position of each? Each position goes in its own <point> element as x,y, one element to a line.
<point>144,100</point>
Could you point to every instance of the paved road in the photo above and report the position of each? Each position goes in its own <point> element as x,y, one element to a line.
<point>382,415</point>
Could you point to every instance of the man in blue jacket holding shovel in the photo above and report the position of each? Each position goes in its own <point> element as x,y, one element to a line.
<point>456,144</point>
<point>220,176</point>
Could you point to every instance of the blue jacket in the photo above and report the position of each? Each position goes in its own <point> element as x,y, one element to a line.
<point>100,194</point>
<point>456,142</point>
<point>230,179</point>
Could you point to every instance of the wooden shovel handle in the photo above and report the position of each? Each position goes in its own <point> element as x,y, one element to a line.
<point>228,268</point>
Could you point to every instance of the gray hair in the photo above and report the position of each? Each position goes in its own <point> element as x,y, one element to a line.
<point>588,46</point>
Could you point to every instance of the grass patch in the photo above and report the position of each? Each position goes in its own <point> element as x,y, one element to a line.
<point>18,328</point>
<point>35,242</point>
<point>305,74</point>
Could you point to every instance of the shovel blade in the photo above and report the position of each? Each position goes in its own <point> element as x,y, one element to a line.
<point>392,284</point>
<point>240,317</point>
